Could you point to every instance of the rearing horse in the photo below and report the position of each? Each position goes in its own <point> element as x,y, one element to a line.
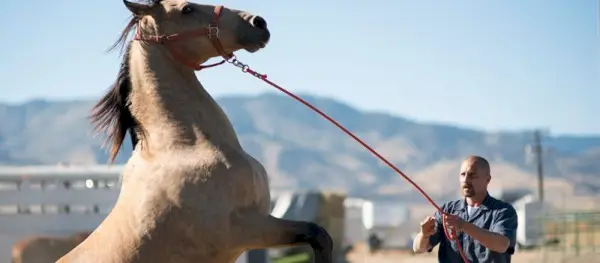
<point>190,193</point>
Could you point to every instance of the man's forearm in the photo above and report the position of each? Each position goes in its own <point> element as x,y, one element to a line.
<point>488,239</point>
<point>421,243</point>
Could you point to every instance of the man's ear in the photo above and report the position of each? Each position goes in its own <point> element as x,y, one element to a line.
<point>137,9</point>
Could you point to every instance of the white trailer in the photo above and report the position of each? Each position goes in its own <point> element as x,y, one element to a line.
<point>358,220</point>
<point>531,213</point>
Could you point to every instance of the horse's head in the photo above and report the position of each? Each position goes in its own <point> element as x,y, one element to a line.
<point>199,31</point>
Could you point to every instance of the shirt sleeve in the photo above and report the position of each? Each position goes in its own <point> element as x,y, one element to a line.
<point>506,224</point>
<point>435,239</point>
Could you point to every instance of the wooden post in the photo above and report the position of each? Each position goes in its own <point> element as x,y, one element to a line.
<point>537,148</point>
<point>577,245</point>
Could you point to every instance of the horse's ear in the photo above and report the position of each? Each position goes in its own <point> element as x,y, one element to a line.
<point>137,9</point>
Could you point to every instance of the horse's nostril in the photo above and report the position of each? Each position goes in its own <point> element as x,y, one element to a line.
<point>258,22</point>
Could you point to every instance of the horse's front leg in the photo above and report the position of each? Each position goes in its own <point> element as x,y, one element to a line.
<point>260,232</point>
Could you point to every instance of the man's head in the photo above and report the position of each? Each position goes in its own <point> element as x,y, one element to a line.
<point>474,176</point>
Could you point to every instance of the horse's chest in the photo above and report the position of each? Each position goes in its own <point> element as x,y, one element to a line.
<point>212,183</point>
<point>241,183</point>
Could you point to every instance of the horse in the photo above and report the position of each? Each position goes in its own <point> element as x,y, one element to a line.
<point>45,249</point>
<point>189,191</point>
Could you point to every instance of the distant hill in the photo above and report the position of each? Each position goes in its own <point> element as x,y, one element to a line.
<point>301,150</point>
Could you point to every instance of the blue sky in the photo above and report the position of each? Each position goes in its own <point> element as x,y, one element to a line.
<point>509,64</point>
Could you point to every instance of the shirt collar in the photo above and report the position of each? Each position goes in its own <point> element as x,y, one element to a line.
<point>485,205</point>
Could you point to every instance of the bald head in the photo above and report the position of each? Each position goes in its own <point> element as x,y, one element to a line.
<point>475,176</point>
<point>478,163</point>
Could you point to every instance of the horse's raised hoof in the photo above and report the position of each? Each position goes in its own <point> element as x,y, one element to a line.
<point>321,243</point>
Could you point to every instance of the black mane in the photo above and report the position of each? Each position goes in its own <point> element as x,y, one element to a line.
<point>111,114</point>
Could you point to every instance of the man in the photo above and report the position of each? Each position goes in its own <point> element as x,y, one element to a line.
<point>486,226</point>
<point>374,243</point>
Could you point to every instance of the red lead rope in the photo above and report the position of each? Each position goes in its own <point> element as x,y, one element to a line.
<point>246,69</point>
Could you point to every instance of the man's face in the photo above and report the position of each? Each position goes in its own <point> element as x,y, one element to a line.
<point>474,178</point>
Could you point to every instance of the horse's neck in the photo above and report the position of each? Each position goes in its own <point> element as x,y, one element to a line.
<point>171,105</point>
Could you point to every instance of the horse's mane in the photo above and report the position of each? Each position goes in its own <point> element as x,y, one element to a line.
<point>112,114</point>
<point>133,21</point>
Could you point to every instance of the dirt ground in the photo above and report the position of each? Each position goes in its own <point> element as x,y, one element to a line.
<point>361,255</point>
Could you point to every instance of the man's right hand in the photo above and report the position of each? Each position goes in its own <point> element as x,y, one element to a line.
<point>428,227</point>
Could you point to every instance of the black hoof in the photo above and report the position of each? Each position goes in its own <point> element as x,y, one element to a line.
<point>321,243</point>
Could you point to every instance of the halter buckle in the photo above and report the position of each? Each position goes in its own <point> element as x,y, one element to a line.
<point>213,31</point>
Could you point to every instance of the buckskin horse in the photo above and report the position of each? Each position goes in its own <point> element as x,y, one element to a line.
<point>189,192</point>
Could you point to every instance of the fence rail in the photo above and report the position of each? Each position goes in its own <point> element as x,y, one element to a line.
<point>571,235</point>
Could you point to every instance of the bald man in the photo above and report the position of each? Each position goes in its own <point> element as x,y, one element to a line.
<point>486,226</point>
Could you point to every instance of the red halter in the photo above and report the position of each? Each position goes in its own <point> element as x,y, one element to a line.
<point>212,31</point>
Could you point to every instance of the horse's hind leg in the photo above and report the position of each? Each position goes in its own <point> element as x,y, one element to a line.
<point>261,232</point>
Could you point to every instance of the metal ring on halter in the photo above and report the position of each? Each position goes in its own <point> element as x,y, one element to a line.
<point>232,59</point>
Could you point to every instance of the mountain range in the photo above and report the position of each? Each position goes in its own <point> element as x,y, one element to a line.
<point>300,150</point>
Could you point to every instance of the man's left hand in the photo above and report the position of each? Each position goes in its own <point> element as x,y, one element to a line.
<point>455,223</point>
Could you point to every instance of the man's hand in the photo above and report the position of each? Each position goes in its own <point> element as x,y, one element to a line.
<point>421,242</point>
<point>428,226</point>
<point>454,223</point>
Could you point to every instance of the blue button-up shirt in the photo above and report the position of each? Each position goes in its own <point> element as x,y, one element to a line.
<point>492,215</point>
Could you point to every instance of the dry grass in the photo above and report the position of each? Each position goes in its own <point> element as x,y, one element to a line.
<point>361,255</point>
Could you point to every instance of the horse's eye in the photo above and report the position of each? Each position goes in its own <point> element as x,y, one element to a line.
<point>186,10</point>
